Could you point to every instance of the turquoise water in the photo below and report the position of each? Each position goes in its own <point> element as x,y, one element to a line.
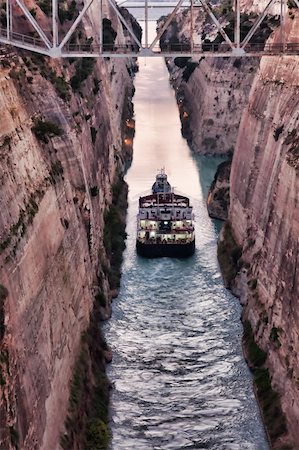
<point>178,373</point>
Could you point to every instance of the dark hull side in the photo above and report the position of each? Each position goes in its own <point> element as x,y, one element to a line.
<point>169,250</point>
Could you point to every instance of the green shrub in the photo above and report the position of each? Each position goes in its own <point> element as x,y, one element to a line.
<point>83,69</point>
<point>55,171</point>
<point>14,436</point>
<point>114,231</point>
<point>101,299</point>
<point>270,402</point>
<point>257,356</point>
<point>62,88</point>
<point>66,12</point>
<point>33,12</point>
<point>94,191</point>
<point>44,130</point>
<point>274,335</point>
<point>87,422</point>
<point>269,399</point>
<point>109,35</point>
<point>229,254</point>
<point>45,6</point>
<point>98,435</point>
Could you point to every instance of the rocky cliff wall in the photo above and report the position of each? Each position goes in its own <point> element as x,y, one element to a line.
<point>265,220</point>
<point>212,102</point>
<point>60,151</point>
<point>211,92</point>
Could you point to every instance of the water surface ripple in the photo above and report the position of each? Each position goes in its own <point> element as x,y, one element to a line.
<point>178,374</point>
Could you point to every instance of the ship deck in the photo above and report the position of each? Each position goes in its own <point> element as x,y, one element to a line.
<point>166,199</point>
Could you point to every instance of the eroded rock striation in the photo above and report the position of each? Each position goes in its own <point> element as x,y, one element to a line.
<point>65,133</point>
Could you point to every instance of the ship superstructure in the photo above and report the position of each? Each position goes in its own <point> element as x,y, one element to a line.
<point>165,222</point>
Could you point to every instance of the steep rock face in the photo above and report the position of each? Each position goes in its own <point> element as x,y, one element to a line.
<point>218,197</point>
<point>214,98</point>
<point>265,219</point>
<point>211,94</point>
<point>55,186</point>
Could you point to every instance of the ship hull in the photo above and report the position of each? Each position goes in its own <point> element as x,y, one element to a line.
<point>168,250</point>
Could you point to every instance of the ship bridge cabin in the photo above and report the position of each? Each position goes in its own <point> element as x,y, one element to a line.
<point>166,216</point>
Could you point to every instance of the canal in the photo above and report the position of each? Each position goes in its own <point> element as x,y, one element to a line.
<point>178,374</point>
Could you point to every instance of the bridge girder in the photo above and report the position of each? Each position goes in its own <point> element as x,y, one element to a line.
<point>50,45</point>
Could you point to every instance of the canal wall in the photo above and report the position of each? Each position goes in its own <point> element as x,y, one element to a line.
<point>263,214</point>
<point>65,134</point>
<point>211,92</point>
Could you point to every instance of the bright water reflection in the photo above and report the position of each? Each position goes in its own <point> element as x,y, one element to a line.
<point>179,377</point>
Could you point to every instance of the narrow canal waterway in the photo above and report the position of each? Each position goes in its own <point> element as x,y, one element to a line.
<point>178,373</point>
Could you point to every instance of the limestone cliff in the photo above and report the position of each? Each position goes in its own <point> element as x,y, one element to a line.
<point>211,92</point>
<point>61,146</point>
<point>265,221</point>
<point>211,102</point>
<point>218,197</point>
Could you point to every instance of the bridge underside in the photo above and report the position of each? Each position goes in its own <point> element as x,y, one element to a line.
<point>59,43</point>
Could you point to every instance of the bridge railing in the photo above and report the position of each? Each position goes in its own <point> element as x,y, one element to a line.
<point>22,38</point>
<point>177,49</point>
<point>289,47</point>
<point>174,49</point>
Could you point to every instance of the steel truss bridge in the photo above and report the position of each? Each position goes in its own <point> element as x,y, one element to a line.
<point>51,43</point>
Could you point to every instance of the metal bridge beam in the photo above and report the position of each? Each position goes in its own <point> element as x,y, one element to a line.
<point>75,24</point>
<point>256,24</point>
<point>53,48</point>
<point>217,23</point>
<point>34,23</point>
<point>123,21</point>
<point>165,25</point>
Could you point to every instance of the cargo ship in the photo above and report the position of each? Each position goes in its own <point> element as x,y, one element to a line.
<point>165,222</point>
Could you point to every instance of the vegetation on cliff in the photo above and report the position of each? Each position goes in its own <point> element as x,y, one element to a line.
<point>86,424</point>
<point>229,254</point>
<point>114,231</point>
<point>218,197</point>
<point>87,421</point>
<point>269,400</point>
